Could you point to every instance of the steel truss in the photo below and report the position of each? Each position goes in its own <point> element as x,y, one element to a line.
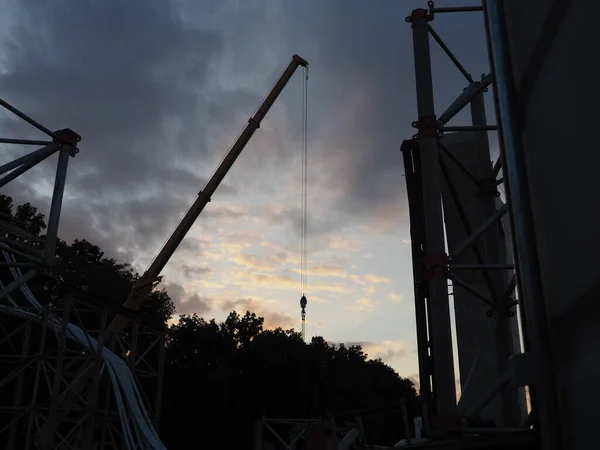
<point>458,234</point>
<point>38,363</point>
<point>39,359</point>
<point>307,433</point>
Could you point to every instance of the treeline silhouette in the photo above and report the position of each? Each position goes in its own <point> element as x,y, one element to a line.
<point>221,377</point>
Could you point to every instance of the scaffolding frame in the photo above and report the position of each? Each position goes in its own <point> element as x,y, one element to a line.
<point>38,357</point>
<point>298,431</point>
<point>37,361</point>
<point>432,193</point>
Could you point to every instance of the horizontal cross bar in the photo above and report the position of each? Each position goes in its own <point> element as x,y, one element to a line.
<point>23,141</point>
<point>481,266</point>
<point>451,9</point>
<point>471,128</point>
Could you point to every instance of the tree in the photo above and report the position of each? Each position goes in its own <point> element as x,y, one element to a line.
<point>84,267</point>
<point>33,220</point>
<point>220,377</point>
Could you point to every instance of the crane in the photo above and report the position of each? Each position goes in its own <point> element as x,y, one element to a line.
<point>151,276</point>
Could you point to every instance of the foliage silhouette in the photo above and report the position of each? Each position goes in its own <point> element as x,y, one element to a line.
<point>220,377</point>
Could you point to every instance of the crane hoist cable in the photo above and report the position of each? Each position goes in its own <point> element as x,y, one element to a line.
<point>304,224</point>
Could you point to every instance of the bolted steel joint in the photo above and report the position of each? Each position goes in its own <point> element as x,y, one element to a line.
<point>252,121</point>
<point>504,307</point>
<point>435,265</point>
<point>68,137</point>
<point>428,126</point>
<point>488,188</point>
<point>420,13</point>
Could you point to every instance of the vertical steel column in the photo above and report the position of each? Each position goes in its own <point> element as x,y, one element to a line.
<point>19,388</point>
<point>90,426</point>
<point>159,381</point>
<point>47,438</point>
<point>259,429</point>
<point>57,198</point>
<point>412,169</point>
<point>439,312</point>
<point>38,369</point>
<point>534,318</point>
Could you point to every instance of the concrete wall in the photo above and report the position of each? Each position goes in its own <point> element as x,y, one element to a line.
<point>563,158</point>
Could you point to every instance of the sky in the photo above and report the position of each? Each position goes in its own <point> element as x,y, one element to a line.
<point>160,89</point>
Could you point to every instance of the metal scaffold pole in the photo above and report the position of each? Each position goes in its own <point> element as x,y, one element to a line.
<point>527,260</point>
<point>444,387</point>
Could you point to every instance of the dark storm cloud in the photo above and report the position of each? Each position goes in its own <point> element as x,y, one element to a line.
<point>138,83</point>
<point>364,107</point>
<point>193,304</point>
<point>130,80</point>
<point>195,271</point>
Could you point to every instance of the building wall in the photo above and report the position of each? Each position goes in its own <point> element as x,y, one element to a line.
<point>562,158</point>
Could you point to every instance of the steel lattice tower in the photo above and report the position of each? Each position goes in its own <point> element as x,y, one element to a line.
<point>40,356</point>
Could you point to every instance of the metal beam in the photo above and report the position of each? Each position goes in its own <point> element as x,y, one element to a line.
<point>481,266</point>
<point>479,231</point>
<point>533,317</point>
<point>23,141</point>
<point>454,9</point>
<point>475,88</point>
<point>56,206</point>
<point>30,157</point>
<point>448,52</point>
<point>27,119</point>
<point>439,313</point>
<point>470,128</point>
<point>16,283</point>
<point>23,168</point>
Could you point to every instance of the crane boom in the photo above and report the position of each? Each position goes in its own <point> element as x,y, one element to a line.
<point>150,277</point>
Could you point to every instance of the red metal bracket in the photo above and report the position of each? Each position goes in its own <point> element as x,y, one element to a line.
<point>427,126</point>
<point>419,13</point>
<point>67,136</point>
<point>435,265</point>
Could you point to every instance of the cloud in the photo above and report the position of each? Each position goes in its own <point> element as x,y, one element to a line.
<point>273,319</point>
<point>362,305</point>
<point>194,271</point>
<point>386,350</point>
<point>341,243</point>
<point>274,281</point>
<point>239,239</point>
<point>131,81</point>
<point>395,297</point>
<point>225,213</point>
<point>195,305</point>
<point>376,279</point>
<point>185,303</point>
<point>268,262</point>
<point>327,270</point>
